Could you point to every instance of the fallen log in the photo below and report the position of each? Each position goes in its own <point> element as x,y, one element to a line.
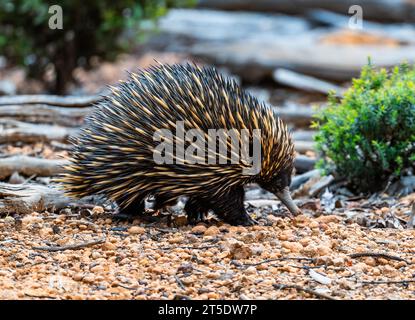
<point>307,83</point>
<point>30,166</point>
<point>63,101</point>
<point>26,198</point>
<point>42,113</point>
<point>304,135</point>
<point>381,10</point>
<point>304,163</point>
<point>17,131</point>
<point>300,116</point>
<point>256,55</point>
<point>304,146</point>
<point>297,181</point>
<point>402,32</point>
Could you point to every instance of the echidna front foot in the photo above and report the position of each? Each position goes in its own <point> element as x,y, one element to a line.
<point>196,209</point>
<point>136,208</point>
<point>230,208</point>
<point>241,219</point>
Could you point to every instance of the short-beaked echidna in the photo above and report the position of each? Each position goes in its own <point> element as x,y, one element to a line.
<point>114,153</point>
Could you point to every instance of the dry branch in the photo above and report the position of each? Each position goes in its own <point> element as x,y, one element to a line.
<point>304,164</point>
<point>297,181</point>
<point>304,135</point>
<point>300,116</point>
<point>42,113</point>
<point>30,166</point>
<point>304,146</point>
<point>377,255</point>
<point>284,42</point>
<point>17,131</point>
<point>386,10</point>
<point>67,101</point>
<point>71,246</point>
<point>303,82</point>
<point>404,282</point>
<point>26,198</point>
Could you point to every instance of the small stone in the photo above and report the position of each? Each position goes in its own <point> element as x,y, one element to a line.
<point>338,262</point>
<point>199,229</point>
<point>376,271</point>
<point>95,255</point>
<point>185,268</point>
<point>178,239</point>
<point>109,246</point>
<point>370,261</point>
<point>9,219</point>
<point>212,295</point>
<point>89,278</point>
<point>328,219</point>
<point>345,284</point>
<point>314,224</point>
<point>16,178</point>
<point>250,270</point>
<point>97,210</point>
<point>292,246</point>
<point>136,230</point>
<point>212,231</point>
<point>78,276</point>
<point>390,271</point>
<point>97,268</point>
<point>238,250</point>
<point>323,250</point>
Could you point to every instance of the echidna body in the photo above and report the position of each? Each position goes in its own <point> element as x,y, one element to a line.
<point>114,153</point>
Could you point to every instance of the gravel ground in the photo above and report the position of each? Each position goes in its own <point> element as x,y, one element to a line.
<point>300,258</point>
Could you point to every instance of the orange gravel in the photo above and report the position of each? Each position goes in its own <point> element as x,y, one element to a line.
<point>207,261</point>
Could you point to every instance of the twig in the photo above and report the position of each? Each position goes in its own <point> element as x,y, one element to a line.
<point>377,255</point>
<point>70,247</point>
<point>180,282</point>
<point>388,282</point>
<point>278,259</point>
<point>191,248</point>
<point>306,290</point>
<point>66,101</point>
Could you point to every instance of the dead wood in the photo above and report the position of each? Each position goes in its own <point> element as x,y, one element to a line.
<point>304,164</point>
<point>377,255</point>
<point>304,146</point>
<point>385,10</point>
<point>303,82</point>
<point>72,246</point>
<point>284,42</point>
<point>298,180</point>
<point>300,116</point>
<point>43,113</point>
<point>30,166</point>
<point>16,131</point>
<point>26,198</point>
<point>63,101</point>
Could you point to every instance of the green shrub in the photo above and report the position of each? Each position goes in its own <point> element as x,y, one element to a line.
<point>90,29</point>
<point>368,136</point>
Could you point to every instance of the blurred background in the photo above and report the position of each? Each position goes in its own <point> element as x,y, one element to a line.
<point>95,43</point>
